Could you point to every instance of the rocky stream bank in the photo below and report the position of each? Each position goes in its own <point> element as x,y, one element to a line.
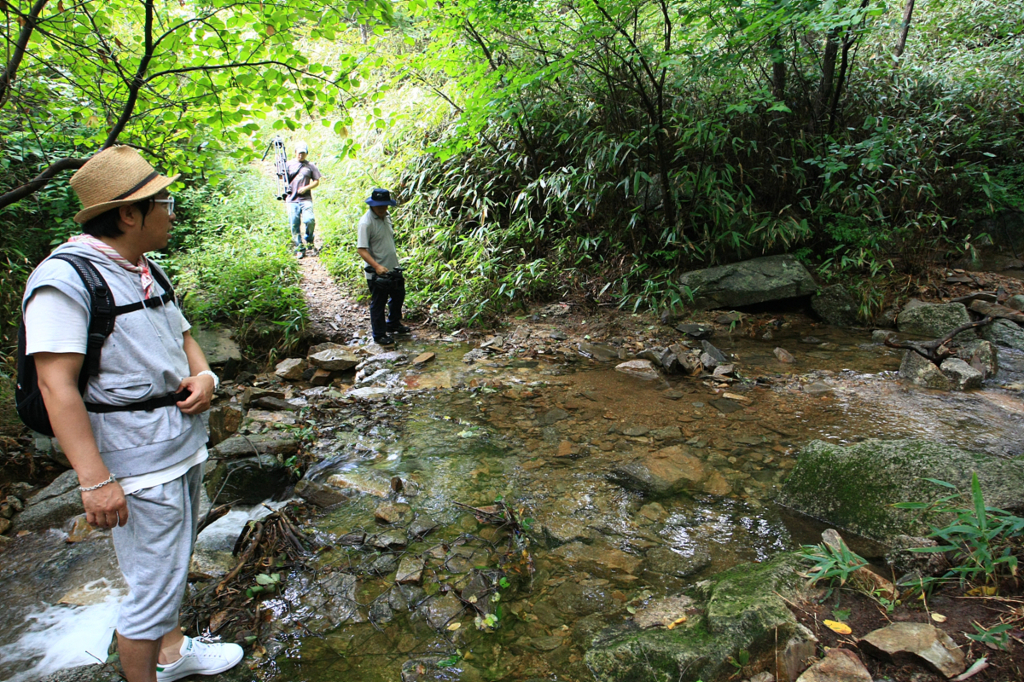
<point>575,497</point>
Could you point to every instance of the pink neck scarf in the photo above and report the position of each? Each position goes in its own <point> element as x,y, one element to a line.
<point>141,268</point>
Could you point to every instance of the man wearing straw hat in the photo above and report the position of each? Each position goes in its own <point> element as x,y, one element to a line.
<point>134,437</point>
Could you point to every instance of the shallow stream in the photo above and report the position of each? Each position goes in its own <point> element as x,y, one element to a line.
<point>543,437</point>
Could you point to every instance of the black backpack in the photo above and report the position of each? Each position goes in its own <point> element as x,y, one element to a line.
<point>27,396</point>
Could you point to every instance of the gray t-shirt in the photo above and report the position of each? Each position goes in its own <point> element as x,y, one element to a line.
<point>300,174</point>
<point>377,236</point>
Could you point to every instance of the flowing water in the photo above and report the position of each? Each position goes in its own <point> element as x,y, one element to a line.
<point>544,438</point>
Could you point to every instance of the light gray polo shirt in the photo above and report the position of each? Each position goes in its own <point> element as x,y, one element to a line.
<point>377,236</point>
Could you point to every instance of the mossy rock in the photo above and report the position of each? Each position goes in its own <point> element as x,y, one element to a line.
<point>854,487</point>
<point>740,610</point>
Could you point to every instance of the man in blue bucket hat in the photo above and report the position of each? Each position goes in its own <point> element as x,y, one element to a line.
<point>375,243</point>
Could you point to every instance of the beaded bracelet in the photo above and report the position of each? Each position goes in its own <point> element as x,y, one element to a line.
<point>98,485</point>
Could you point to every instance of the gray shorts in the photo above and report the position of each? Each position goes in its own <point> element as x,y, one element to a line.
<point>153,552</point>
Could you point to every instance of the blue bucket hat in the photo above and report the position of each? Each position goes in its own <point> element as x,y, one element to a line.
<point>381,197</point>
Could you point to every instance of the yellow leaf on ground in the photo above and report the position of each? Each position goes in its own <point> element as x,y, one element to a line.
<point>837,627</point>
<point>677,621</point>
<point>938,618</point>
<point>454,626</point>
<point>984,591</point>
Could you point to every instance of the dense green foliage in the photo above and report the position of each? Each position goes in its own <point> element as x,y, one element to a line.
<point>538,147</point>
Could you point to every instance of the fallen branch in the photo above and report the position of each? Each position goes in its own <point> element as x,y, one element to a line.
<point>936,350</point>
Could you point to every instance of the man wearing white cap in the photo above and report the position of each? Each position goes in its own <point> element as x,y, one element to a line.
<point>303,177</point>
<point>129,422</point>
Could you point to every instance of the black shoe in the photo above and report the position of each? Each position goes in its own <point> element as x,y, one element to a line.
<point>400,329</point>
<point>384,340</point>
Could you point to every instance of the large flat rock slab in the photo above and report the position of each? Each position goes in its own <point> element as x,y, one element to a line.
<point>759,280</point>
<point>854,487</point>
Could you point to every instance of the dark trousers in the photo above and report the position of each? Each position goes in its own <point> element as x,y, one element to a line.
<point>389,297</point>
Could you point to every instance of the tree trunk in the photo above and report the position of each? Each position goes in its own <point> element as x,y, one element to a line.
<point>908,11</point>
<point>828,72</point>
<point>11,70</point>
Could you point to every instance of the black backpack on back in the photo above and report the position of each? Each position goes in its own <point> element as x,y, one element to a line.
<point>27,396</point>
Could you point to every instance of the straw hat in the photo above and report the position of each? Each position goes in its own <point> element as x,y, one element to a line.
<point>117,176</point>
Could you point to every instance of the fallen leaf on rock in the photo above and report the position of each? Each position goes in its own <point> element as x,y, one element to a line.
<point>837,627</point>
<point>677,621</point>
<point>454,626</point>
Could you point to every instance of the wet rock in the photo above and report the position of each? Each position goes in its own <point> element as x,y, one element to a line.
<point>982,356</point>
<point>839,665</point>
<point>559,529</point>
<point>270,417</point>
<point>716,355</point>
<point>410,570</point>
<point>667,433</point>
<point>661,473</point>
<point>742,608</point>
<point>290,369</point>
<point>334,360</point>
<point>599,352</point>
<point>673,394</point>
<point>421,526</point>
<point>434,669</point>
<point>1004,333</point>
<point>784,356</point>
<point>51,506</point>
<point>770,278</point>
<point>383,565</point>
<point>553,415</point>
<point>835,305</point>
<point>663,612</point>
<point>391,513</point>
<point>725,405</point>
<point>353,539</point>
<point>962,376</point>
<point>599,560</point>
<point>817,388</point>
<point>853,488</point>
<point>224,422</point>
<point>380,611</point>
<point>934,320</point>
<point>261,444</point>
<point>212,555</point>
<point>441,610</point>
<point>880,335</point>
<point>640,369</point>
<point>635,431</point>
<point>80,529</point>
<point>474,355</point>
<point>248,480</point>
<point>1016,302</point>
<point>920,371</point>
<point>584,597</point>
<point>654,512</point>
<point>333,603</point>
<point>922,640</point>
<point>366,483</point>
<point>319,494</point>
<point>696,331</point>
<point>422,359</point>
<point>390,540</point>
<point>664,561</point>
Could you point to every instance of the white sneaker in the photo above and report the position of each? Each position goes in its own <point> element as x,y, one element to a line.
<point>200,657</point>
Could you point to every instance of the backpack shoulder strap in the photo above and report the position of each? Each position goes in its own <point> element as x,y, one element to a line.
<point>161,277</point>
<point>102,312</point>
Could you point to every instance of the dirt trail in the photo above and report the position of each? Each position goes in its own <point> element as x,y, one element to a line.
<point>333,314</point>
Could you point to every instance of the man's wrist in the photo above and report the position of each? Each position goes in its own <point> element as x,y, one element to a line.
<point>209,373</point>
